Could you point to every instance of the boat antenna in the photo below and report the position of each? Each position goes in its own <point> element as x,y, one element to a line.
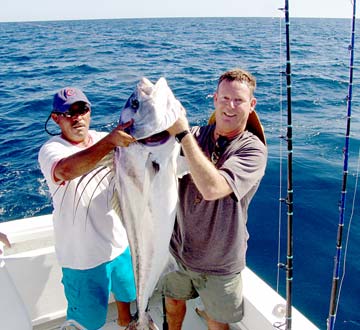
<point>336,272</point>
<point>289,198</point>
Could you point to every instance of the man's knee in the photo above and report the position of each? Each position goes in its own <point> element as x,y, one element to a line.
<point>174,305</point>
<point>175,312</point>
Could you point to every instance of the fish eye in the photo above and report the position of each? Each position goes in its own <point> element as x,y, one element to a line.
<point>135,104</point>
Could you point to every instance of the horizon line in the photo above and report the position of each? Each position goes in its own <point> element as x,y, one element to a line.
<point>157,17</point>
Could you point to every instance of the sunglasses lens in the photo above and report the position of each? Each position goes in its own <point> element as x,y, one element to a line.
<point>77,109</point>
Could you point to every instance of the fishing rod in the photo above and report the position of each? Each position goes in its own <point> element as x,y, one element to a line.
<point>289,198</point>
<point>290,194</point>
<point>336,272</point>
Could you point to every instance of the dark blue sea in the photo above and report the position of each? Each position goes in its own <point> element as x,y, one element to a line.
<point>106,58</point>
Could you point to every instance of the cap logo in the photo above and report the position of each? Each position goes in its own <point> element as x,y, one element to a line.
<point>70,92</point>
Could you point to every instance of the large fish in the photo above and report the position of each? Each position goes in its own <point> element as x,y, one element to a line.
<point>146,186</point>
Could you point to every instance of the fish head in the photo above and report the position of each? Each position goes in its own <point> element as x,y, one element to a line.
<point>153,108</point>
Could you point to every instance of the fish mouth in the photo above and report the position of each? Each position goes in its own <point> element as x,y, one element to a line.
<point>156,139</point>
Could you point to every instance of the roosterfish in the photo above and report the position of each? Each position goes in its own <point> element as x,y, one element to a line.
<point>146,187</point>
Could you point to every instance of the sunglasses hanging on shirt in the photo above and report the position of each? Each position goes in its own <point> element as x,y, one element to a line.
<point>220,145</point>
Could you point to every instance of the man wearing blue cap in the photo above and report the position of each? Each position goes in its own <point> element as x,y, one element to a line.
<point>90,242</point>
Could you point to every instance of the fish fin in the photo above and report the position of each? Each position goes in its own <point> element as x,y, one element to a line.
<point>98,184</point>
<point>93,174</point>
<point>152,166</point>
<point>156,167</point>
<point>76,203</point>
<point>107,160</point>
<point>115,203</point>
<point>63,196</point>
<point>145,323</point>
<point>82,192</point>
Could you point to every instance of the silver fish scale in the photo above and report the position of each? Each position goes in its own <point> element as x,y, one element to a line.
<point>146,195</point>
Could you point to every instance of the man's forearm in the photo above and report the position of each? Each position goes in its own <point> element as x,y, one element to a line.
<point>83,161</point>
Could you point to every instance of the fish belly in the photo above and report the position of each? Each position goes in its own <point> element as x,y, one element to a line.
<point>146,187</point>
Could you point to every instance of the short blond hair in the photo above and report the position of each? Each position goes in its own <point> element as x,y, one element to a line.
<point>239,75</point>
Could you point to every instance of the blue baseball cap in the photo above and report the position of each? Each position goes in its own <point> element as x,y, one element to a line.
<point>66,97</point>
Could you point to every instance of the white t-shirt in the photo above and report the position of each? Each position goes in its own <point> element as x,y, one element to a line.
<point>87,230</point>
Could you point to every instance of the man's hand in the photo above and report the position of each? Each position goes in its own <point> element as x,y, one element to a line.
<point>119,137</point>
<point>5,241</point>
<point>180,125</point>
<point>86,160</point>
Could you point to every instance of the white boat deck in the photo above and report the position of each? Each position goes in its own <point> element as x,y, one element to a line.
<point>192,320</point>
<point>32,294</point>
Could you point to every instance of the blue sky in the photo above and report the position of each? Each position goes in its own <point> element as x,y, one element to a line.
<point>30,10</point>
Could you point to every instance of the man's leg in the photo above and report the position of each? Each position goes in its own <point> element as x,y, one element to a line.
<point>175,312</point>
<point>87,296</point>
<point>124,315</point>
<point>212,324</point>
<point>215,325</point>
<point>123,286</point>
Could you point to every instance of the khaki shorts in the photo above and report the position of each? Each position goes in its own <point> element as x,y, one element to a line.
<point>221,295</point>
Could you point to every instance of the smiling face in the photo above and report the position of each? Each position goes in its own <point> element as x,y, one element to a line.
<point>233,101</point>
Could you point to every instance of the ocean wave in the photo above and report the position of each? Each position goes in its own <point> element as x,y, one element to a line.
<point>106,58</point>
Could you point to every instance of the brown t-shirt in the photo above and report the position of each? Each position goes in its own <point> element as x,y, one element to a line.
<point>211,236</point>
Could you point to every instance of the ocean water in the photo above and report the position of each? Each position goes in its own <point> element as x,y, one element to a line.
<point>106,58</point>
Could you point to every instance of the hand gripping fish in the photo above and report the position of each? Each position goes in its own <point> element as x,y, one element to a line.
<point>146,175</point>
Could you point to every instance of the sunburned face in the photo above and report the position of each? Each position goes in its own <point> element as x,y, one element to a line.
<point>233,103</point>
<point>75,128</point>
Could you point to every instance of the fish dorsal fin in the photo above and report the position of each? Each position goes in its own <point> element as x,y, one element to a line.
<point>253,125</point>
<point>115,204</point>
<point>108,161</point>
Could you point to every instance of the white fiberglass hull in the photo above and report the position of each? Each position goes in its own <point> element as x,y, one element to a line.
<point>32,293</point>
